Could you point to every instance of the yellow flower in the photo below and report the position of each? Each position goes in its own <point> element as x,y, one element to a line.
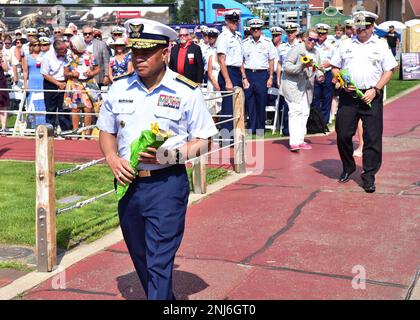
<point>305,59</point>
<point>340,80</point>
<point>155,128</point>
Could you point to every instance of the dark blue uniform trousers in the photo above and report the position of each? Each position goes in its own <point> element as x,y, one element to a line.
<point>152,219</point>
<point>256,99</point>
<point>323,94</point>
<point>227,107</point>
<point>350,110</point>
<point>284,107</point>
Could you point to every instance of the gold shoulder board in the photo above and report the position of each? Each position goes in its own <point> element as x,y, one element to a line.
<point>187,81</point>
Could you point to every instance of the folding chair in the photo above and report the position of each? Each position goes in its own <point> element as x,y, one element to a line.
<point>275,109</point>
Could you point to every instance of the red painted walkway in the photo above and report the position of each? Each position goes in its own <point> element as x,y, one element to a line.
<point>291,232</point>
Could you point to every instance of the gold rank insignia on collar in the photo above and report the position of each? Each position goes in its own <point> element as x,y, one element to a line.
<point>188,82</point>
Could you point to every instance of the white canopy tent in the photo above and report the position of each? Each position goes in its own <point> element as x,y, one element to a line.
<point>397,25</point>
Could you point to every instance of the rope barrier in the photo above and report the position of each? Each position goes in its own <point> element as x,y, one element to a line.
<point>214,151</point>
<point>52,113</point>
<point>51,90</point>
<point>76,131</point>
<point>79,167</point>
<point>84,203</point>
<point>228,120</point>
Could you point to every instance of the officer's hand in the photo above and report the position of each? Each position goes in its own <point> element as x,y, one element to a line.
<point>245,83</point>
<point>337,85</point>
<point>229,85</point>
<point>62,86</point>
<point>106,81</point>
<point>320,79</point>
<point>75,74</point>
<point>121,169</point>
<point>349,88</point>
<point>369,96</point>
<point>216,87</point>
<point>149,157</point>
<point>269,82</point>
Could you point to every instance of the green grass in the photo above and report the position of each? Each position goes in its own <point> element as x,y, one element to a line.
<point>15,265</point>
<point>17,204</point>
<point>396,86</point>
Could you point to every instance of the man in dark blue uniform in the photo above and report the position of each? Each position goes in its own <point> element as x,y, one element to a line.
<point>230,55</point>
<point>152,211</point>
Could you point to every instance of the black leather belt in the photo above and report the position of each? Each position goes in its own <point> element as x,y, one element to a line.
<point>256,70</point>
<point>150,173</point>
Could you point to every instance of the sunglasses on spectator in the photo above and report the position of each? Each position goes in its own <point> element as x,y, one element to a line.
<point>1,42</point>
<point>35,45</point>
<point>18,34</point>
<point>312,40</point>
<point>57,32</point>
<point>18,42</point>
<point>7,43</point>
<point>87,33</point>
<point>184,35</point>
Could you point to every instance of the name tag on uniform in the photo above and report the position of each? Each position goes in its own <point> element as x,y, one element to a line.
<point>123,106</point>
<point>168,107</point>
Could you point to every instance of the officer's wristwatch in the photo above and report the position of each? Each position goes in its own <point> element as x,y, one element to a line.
<point>378,91</point>
<point>178,156</point>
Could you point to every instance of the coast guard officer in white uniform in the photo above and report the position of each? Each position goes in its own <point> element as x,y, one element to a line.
<point>257,74</point>
<point>152,212</point>
<point>370,64</point>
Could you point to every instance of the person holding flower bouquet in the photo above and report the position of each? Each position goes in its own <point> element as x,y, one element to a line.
<point>300,69</point>
<point>150,123</point>
<point>80,71</point>
<point>366,65</point>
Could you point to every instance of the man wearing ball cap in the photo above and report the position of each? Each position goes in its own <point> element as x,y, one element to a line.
<point>152,211</point>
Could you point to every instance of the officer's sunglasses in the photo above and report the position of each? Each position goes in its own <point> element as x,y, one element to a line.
<point>312,40</point>
<point>255,29</point>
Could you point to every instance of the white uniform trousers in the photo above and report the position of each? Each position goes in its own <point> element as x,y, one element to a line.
<point>298,117</point>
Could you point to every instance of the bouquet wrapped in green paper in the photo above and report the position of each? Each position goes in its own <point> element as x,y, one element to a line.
<point>345,75</point>
<point>153,138</point>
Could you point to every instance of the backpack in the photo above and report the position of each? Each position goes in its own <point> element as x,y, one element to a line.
<point>315,122</point>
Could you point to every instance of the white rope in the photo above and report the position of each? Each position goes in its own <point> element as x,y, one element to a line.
<point>79,167</point>
<point>77,131</point>
<point>228,120</point>
<point>222,115</point>
<point>53,113</point>
<point>50,90</point>
<point>214,151</point>
<point>84,203</point>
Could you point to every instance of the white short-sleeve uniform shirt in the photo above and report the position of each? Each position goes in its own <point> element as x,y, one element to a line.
<point>258,53</point>
<point>230,44</point>
<point>130,108</point>
<point>366,62</point>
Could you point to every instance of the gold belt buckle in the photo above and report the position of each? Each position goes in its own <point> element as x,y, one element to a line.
<point>144,173</point>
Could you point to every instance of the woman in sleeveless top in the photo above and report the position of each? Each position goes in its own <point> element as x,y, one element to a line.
<point>121,63</point>
<point>33,80</point>
<point>4,95</point>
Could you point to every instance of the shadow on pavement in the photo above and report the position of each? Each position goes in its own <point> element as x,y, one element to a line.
<point>332,169</point>
<point>185,284</point>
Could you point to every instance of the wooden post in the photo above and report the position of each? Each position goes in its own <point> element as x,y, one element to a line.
<point>199,175</point>
<point>239,130</point>
<point>46,240</point>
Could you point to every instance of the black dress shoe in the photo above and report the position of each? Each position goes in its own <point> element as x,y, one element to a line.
<point>370,188</point>
<point>345,176</point>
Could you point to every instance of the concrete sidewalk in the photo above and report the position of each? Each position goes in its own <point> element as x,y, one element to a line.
<point>291,232</point>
